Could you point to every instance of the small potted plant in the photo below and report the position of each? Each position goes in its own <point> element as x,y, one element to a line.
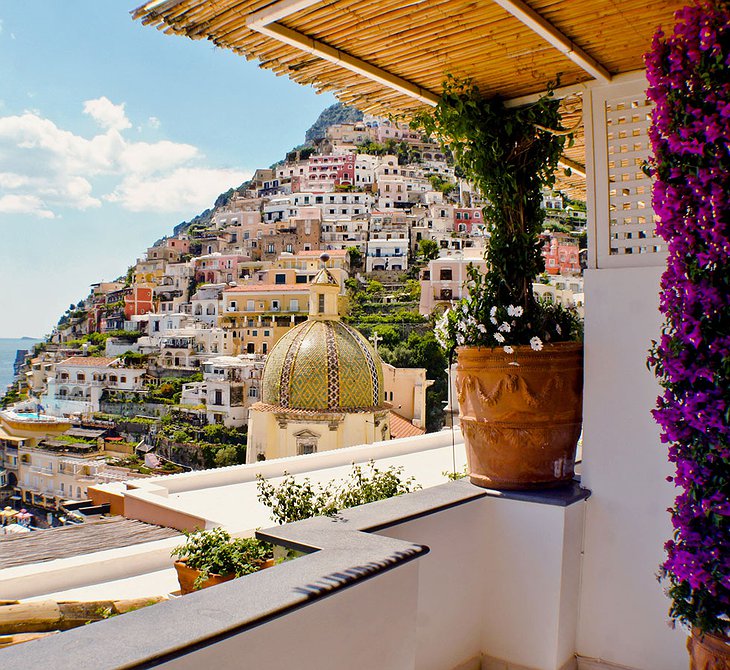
<point>212,556</point>
<point>520,361</point>
<point>688,72</point>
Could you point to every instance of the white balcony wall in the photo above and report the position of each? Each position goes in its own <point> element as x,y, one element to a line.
<point>499,585</point>
<point>623,609</point>
<point>623,612</point>
<point>370,625</point>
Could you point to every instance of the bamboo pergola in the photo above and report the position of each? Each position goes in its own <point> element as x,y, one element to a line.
<point>390,57</point>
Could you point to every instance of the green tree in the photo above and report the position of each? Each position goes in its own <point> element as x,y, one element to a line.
<point>423,351</point>
<point>374,288</point>
<point>230,455</point>
<point>429,249</point>
<point>389,335</point>
<point>355,257</point>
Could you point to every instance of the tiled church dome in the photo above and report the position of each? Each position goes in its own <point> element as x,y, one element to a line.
<point>323,365</point>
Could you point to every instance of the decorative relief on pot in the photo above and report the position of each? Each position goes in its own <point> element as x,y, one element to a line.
<point>521,423</point>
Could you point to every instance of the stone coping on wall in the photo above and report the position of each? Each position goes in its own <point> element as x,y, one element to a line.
<point>339,552</point>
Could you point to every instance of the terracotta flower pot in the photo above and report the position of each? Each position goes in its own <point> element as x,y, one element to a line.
<point>186,576</point>
<point>521,423</point>
<point>708,652</point>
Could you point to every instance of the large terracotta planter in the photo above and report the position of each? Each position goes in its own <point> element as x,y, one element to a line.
<point>708,652</point>
<point>521,423</point>
<point>186,576</point>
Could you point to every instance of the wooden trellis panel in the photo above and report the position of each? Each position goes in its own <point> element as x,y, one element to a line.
<point>623,216</point>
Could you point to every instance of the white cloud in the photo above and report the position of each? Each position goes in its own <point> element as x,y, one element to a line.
<point>44,168</point>
<point>107,114</point>
<point>12,180</point>
<point>24,204</point>
<point>153,122</point>
<point>184,188</point>
<point>145,158</point>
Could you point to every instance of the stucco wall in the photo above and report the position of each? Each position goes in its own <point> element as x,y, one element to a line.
<point>623,611</point>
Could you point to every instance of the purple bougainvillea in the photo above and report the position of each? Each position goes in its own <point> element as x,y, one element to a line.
<point>689,81</point>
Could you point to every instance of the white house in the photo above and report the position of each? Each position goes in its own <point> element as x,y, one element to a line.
<point>80,381</point>
<point>231,384</point>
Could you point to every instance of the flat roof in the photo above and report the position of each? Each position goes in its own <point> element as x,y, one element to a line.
<point>78,540</point>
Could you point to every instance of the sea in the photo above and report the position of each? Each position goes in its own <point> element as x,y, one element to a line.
<point>8,347</point>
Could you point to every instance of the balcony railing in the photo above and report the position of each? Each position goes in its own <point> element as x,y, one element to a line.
<point>495,567</point>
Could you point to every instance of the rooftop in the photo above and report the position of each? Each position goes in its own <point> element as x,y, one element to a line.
<point>257,288</point>
<point>88,362</point>
<point>93,535</point>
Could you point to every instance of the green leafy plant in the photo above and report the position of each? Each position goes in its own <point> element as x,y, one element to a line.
<point>511,154</point>
<point>215,552</point>
<point>455,475</point>
<point>293,500</point>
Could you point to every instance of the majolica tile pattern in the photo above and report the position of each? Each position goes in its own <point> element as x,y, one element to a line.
<point>323,365</point>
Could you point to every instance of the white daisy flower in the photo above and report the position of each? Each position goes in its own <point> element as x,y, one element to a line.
<point>514,311</point>
<point>558,329</point>
<point>459,339</point>
<point>536,344</point>
<point>499,337</point>
<point>509,350</point>
<point>493,311</point>
<point>482,328</point>
<point>493,320</point>
<point>505,327</point>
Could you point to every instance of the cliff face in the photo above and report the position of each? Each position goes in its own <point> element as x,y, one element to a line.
<point>338,113</point>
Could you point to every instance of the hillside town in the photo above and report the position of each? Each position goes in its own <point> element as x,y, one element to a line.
<point>161,371</point>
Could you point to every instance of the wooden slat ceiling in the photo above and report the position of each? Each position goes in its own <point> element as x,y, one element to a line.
<point>421,41</point>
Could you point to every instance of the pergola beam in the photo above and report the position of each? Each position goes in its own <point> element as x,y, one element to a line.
<point>265,21</point>
<point>572,165</point>
<point>345,60</point>
<point>530,18</point>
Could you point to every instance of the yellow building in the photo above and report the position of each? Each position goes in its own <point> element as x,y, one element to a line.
<point>322,386</point>
<point>258,315</point>
<point>259,311</point>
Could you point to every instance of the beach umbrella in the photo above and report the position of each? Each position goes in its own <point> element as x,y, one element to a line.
<point>7,513</point>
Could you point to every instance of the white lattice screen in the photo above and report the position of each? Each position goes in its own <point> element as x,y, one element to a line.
<point>624,217</point>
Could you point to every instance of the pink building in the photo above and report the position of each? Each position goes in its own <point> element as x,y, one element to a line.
<point>182,246</point>
<point>326,172</point>
<point>218,268</point>
<point>562,254</point>
<point>138,301</point>
<point>444,280</point>
<point>466,218</point>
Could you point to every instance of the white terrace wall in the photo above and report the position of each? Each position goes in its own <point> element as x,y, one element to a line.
<point>369,625</point>
<point>623,612</point>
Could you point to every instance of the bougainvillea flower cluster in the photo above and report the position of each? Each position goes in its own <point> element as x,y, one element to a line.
<point>689,82</point>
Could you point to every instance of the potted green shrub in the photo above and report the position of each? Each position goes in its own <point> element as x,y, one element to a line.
<point>212,556</point>
<point>520,361</point>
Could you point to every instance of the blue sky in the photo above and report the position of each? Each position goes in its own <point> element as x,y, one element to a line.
<point>110,134</point>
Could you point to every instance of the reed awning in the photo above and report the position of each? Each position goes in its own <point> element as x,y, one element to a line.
<point>390,57</point>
